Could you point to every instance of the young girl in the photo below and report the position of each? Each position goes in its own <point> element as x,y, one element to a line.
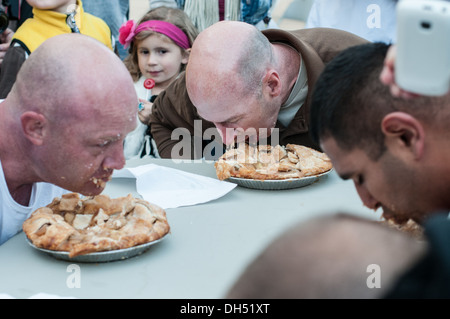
<point>159,51</point>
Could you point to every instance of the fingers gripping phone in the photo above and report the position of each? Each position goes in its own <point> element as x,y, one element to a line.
<point>422,64</point>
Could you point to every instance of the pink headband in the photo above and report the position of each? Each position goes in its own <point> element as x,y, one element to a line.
<point>128,31</point>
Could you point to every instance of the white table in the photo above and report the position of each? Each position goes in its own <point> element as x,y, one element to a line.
<point>209,245</point>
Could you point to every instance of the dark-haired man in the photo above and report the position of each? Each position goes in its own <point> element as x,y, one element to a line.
<point>395,146</point>
<point>395,150</point>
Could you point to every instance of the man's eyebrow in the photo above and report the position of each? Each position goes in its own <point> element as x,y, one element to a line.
<point>233,119</point>
<point>228,120</point>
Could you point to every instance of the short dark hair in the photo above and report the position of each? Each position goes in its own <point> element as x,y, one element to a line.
<point>349,101</point>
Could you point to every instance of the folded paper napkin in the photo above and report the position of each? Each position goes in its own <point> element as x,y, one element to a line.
<point>171,188</point>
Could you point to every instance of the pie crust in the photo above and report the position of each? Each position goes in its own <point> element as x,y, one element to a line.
<point>410,228</point>
<point>98,223</point>
<point>266,162</point>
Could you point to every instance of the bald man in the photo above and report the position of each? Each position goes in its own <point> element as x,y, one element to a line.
<point>240,81</point>
<point>335,256</point>
<point>62,126</point>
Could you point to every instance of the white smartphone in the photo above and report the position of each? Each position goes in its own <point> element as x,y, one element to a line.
<point>422,63</point>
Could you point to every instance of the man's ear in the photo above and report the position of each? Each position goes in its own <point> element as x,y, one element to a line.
<point>404,132</point>
<point>33,126</point>
<point>272,84</point>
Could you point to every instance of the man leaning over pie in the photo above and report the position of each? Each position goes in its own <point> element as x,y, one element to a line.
<point>239,79</point>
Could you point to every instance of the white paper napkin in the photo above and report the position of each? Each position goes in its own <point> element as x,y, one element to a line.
<point>171,188</point>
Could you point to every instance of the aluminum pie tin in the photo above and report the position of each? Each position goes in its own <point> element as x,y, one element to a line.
<point>277,184</point>
<point>101,256</point>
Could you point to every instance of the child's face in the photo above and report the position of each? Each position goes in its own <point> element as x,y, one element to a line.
<point>160,58</point>
<point>54,5</point>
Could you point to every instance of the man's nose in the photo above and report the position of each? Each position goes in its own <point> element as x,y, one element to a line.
<point>115,158</point>
<point>368,200</point>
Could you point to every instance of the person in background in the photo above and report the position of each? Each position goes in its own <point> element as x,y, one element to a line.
<point>205,13</point>
<point>5,40</point>
<point>373,20</point>
<point>50,18</point>
<point>114,13</point>
<point>153,4</point>
<point>67,136</point>
<point>15,13</point>
<point>18,11</point>
<point>160,44</point>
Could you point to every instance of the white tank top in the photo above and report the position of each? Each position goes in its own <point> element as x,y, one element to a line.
<point>12,214</point>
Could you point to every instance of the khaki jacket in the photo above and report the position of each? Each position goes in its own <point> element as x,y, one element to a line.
<point>173,108</point>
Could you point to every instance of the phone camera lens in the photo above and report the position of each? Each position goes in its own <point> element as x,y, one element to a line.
<point>425,25</point>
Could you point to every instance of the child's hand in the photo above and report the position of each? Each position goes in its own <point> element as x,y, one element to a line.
<point>144,114</point>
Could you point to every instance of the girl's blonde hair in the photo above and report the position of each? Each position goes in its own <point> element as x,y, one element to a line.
<point>175,16</point>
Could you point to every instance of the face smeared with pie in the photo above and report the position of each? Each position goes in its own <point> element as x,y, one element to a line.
<point>99,223</point>
<point>266,162</point>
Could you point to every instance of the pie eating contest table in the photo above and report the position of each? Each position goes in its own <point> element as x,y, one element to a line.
<point>209,245</point>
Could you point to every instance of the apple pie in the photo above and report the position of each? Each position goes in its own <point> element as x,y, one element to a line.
<point>266,162</point>
<point>409,227</point>
<point>93,224</point>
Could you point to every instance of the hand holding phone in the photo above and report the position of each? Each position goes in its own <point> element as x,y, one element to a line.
<point>422,63</point>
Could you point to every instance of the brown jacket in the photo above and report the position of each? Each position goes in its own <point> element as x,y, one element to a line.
<point>173,108</point>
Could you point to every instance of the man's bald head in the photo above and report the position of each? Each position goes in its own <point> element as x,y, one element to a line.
<point>329,257</point>
<point>71,106</point>
<point>227,56</point>
<point>68,70</point>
